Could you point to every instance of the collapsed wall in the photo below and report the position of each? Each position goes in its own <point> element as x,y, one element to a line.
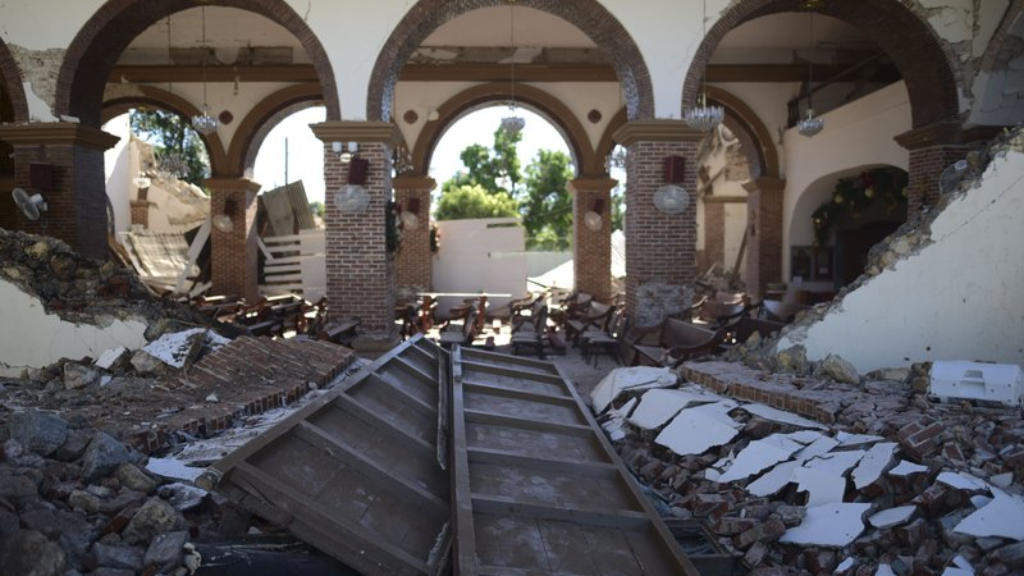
<point>56,304</point>
<point>951,287</point>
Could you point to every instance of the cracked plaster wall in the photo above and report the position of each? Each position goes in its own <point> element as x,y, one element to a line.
<point>41,339</point>
<point>959,296</point>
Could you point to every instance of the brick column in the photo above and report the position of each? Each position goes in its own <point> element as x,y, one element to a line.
<point>414,261</point>
<point>140,213</point>
<point>764,233</point>
<point>714,233</point>
<point>661,255</point>
<point>77,194</point>
<point>234,252</point>
<point>933,148</point>
<point>8,219</point>
<point>592,249</point>
<point>360,270</point>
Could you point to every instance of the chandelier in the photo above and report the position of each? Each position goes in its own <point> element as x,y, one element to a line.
<point>513,123</point>
<point>809,125</point>
<point>204,123</point>
<point>703,117</point>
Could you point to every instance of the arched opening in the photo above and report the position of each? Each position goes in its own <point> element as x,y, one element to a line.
<point>266,117</point>
<point>289,153</point>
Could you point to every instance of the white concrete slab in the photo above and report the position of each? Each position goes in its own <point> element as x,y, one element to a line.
<point>962,481</point>
<point>174,469</point>
<point>836,462</point>
<point>847,440</point>
<point>822,445</point>
<point>107,359</point>
<point>892,516</point>
<point>884,570</point>
<point>776,415</point>
<point>831,525</point>
<point>804,436</point>
<point>760,455</point>
<point>774,480</point>
<point>906,468</point>
<point>695,431</point>
<point>823,487</point>
<point>1002,518</point>
<point>873,464</point>
<point>657,407</point>
<point>629,379</point>
<point>844,565</point>
<point>951,571</point>
<point>979,501</point>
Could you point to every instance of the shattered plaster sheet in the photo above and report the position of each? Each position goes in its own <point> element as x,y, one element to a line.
<point>781,416</point>
<point>659,406</point>
<point>962,481</point>
<point>822,487</point>
<point>873,464</point>
<point>892,517</point>
<point>906,468</point>
<point>629,379</point>
<point>1001,518</point>
<point>774,480</point>
<point>696,430</point>
<point>847,440</point>
<point>836,462</point>
<point>831,525</point>
<point>173,468</point>
<point>173,349</point>
<point>760,455</point>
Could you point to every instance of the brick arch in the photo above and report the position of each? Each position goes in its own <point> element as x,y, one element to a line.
<point>738,115</point>
<point>899,28</point>
<point>549,106</point>
<point>270,111</point>
<point>589,16</point>
<point>10,75</point>
<point>94,51</point>
<point>157,98</point>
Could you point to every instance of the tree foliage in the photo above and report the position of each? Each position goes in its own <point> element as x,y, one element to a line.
<point>473,201</point>
<point>169,132</point>
<point>547,207</point>
<point>495,169</point>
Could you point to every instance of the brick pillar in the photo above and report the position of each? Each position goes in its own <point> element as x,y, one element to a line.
<point>414,261</point>
<point>764,233</point>
<point>661,255</point>
<point>140,213</point>
<point>360,270</point>
<point>933,148</point>
<point>592,249</point>
<point>714,233</point>
<point>77,198</point>
<point>8,219</point>
<point>234,251</point>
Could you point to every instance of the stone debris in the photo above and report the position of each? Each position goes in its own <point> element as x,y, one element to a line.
<point>874,474</point>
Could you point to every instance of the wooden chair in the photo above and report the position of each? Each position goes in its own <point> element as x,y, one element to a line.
<point>610,341</point>
<point>672,342</point>
<point>342,332</point>
<point>778,311</point>
<point>463,334</point>
<point>741,332</point>
<point>595,317</point>
<point>533,335</point>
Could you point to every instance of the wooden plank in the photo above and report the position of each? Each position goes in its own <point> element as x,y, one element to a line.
<point>512,371</point>
<point>377,384</point>
<point>585,516</point>
<point>587,468</point>
<point>493,390</point>
<point>482,417</point>
<point>356,408</point>
<point>465,560</point>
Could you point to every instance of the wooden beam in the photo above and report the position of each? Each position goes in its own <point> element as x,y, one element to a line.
<point>587,468</point>
<point>586,515</point>
<point>503,392</point>
<point>492,418</point>
<point>357,409</point>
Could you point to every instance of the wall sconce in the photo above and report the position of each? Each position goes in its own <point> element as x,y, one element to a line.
<point>410,214</point>
<point>225,220</point>
<point>592,219</point>
<point>353,197</point>
<point>345,153</point>
<point>673,198</point>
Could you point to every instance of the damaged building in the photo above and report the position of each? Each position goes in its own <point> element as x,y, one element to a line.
<point>820,325</point>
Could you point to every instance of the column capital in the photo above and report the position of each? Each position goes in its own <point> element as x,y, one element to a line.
<point>413,183</point>
<point>598,184</point>
<point>357,131</point>
<point>232,184</point>
<point>948,133</point>
<point>57,133</point>
<point>765,184</point>
<point>656,131</point>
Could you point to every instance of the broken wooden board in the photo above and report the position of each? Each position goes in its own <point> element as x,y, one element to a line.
<point>356,472</point>
<point>537,488</point>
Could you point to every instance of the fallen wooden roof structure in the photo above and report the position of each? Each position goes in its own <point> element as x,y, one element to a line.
<point>472,462</point>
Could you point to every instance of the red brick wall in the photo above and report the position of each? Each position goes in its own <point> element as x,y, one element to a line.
<point>592,250</point>
<point>8,219</point>
<point>414,261</point>
<point>360,271</point>
<point>660,248</point>
<point>764,234</point>
<point>140,213</point>
<point>234,253</point>
<point>926,164</point>
<point>714,233</point>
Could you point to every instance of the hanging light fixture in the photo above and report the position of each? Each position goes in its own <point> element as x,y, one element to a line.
<point>703,117</point>
<point>204,123</point>
<point>513,123</point>
<point>809,125</point>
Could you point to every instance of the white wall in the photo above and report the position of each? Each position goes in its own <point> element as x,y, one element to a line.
<point>959,298</point>
<point>42,339</point>
<point>483,255</point>
<point>858,134</point>
<point>120,166</point>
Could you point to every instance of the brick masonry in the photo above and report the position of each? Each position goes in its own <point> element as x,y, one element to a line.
<point>926,165</point>
<point>592,249</point>
<point>234,253</point>
<point>714,233</point>
<point>414,261</point>
<point>764,256</point>
<point>140,213</point>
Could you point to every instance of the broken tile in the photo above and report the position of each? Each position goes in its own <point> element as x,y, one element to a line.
<point>173,468</point>
<point>847,440</point>
<point>822,445</point>
<point>873,464</point>
<point>833,525</point>
<point>111,357</point>
<point>906,468</point>
<point>629,379</point>
<point>951,571</point>
<point>845,565</point>
<point>805,436</point>
<point>979,501</point>
<point>823,487</point>
<point>774,480</point>
<point>961,481</point>
<point>659,406</point>
<point>694,431</point>
<point>884,570</point>
<point>836,462</point>
<point>892,516</point>
<point>1000,518</point>
<point>776,415</point>
<point>760,455</point>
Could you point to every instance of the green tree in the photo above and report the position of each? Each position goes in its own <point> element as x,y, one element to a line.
<point>618,208</point>
<point>172,134</point>
<point>495,169</point>
<point>318,208</point>
<point>547,207</point>
<point>466,202</point>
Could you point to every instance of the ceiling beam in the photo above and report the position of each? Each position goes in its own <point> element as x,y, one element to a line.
<point>484,72</point>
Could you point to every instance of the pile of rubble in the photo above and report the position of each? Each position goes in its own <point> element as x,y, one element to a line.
<point>876,479</point>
